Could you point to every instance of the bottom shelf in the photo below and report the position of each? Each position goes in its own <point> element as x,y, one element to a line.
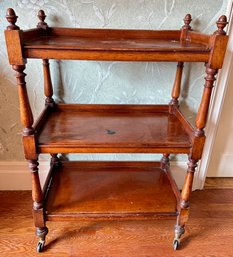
<point>110,190</point>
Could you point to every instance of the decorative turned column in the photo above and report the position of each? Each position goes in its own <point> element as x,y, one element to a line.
<point>25,109</point>
<point>209,81</point>
<point>37,195</point>
<point>48,88</point>
<point>184,202</point>
<point>17,58</point>
<point>177,84</point>
<point>205,101</point>
<point>187,187</point>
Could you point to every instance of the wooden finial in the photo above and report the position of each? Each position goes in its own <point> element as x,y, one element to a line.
<point>11,18</point>
<point>221,24</point>
<point>187,20</point>
<point>41,24</point>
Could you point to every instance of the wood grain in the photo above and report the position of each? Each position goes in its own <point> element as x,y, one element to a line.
<point>110,190</point>
<point>113,44</point>
<point>108,127</point>
<point>125,129</point>
<point>208,233</point>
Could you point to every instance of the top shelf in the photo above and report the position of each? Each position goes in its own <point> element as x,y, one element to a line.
<point>183,45</point>
<point>114,40</point>
<point>121,45</point>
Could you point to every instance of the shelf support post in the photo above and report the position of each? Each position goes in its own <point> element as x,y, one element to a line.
<point>26,115</point>
<point>177,83</point>
<point>48,88</point>
<point>25,109</point>
<point>205,101</point>
<point>37,197</point>
<point>184,201</point>
<point>165,161</point>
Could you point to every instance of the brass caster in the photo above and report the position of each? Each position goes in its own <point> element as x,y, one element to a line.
<point>176,244</point>
<point>40,246</point>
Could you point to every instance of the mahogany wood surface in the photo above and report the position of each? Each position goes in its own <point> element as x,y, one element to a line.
<point>111,44</point>
<point>109,190</point>
<point>113,126</point>
<point>108,44</point>
<point>169,56</point>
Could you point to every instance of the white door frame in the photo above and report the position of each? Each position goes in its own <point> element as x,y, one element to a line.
<point>216,105</point>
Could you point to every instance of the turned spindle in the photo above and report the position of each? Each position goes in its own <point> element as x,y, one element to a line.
<point>221,24</point>
<point>48,88</point>
<point>184,202</point>
<point>177,84</point>
<point>187,187</point>
<point>37,195</point>
<point>11,18</point>
<point>42,24</point>
<point>25,109</point>
<point>205,101</point>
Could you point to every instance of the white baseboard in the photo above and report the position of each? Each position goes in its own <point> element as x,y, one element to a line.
<point>17,176</point>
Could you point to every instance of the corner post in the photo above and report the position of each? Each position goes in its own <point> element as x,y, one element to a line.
<point>205,101</point>
<point>48,88</point>
<point>218,44</point>
<point>13,36</point>
<point>25,109</point>
<point>177,83</point>
<point>184,203</point>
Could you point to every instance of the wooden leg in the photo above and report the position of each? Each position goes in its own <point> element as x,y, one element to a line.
<point>184,203</point>
<point>165,161</point>
<point>38,212</point>
<point>41,233</point>
<point>55,160</point>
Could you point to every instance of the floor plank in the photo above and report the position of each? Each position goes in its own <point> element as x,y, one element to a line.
<point>209,231</point>
<point>220,183</point>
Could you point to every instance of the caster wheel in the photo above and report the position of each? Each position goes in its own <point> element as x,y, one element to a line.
<point>40,246</point>
<point>176,244</point>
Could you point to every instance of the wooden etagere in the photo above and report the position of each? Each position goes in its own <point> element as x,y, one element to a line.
<point>112,190</point>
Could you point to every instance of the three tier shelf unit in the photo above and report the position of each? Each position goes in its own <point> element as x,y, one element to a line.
<point>112,190</point>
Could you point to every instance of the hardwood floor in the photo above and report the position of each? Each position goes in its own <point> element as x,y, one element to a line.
<point>209,231</point>
<point>219,183</point>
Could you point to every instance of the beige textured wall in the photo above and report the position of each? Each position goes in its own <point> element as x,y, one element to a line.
<point>101,82</point>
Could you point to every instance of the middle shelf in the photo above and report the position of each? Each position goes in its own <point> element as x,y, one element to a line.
<point>81,128</point>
